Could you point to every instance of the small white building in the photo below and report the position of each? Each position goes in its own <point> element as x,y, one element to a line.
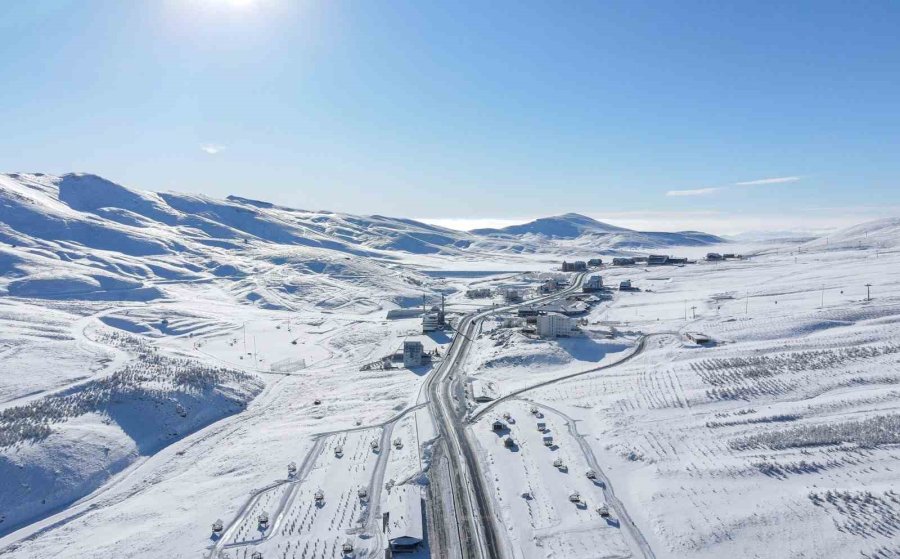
<point>403,524</point>
<point>555,325</point>
<point>482,391</point>
<point>412,353</point>
<point>697,338</point>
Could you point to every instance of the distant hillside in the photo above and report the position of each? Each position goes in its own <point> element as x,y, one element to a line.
<point>574,226</point>
<point>567,226</point>
<point>880,233</point>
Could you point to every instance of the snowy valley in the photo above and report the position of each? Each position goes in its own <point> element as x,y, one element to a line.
<point>168,361</point>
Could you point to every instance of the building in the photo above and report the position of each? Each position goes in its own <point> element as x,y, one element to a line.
<point>697,338</point>
<point>657,260</point>
<point>403,523</point>
<point>412,353</point>
<point>512,295</point>
<point>397,314</point>
<point>432,321</point>
<point>594,262</point>
<point>625,286</point>
<point>527,311</point>
<point>481,391</point>
<point>623,262</point>
<point>577,266</point>
<point>713,256</point>
<point>480,293</point>
<point>678,261</point>
<point>555,325</point>
<point>594,283</point>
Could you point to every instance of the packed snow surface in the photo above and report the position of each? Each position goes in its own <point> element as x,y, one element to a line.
<point>166,357</point>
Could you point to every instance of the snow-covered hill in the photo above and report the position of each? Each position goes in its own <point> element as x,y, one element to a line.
<point>85,237</point>
<point>881,233</point>
<point>576,227</point>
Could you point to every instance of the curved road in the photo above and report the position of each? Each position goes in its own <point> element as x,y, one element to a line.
<point>641,346</point>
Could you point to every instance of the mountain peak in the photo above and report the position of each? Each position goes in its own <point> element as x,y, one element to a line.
<point>565,226</point>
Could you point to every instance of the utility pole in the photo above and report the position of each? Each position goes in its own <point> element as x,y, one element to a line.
<point>747,303</point>
<point>868,292</point>
<point>694,312</point>
<point>823,297</point>
<point>244,327</point>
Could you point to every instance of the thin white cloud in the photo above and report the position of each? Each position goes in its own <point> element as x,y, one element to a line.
<point>693,192</point>
<point>212,149</point>
<point>774,180</point>
<point>713,189</point>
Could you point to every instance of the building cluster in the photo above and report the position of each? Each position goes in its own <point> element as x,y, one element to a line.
<point>553,285</point>
<point>558,318</point>
<point>650,260</point>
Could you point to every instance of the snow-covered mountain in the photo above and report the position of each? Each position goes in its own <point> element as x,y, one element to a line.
<point>573,226</point>
<point>82,235</point>
<point>75,207</point>
<point>566,226</point>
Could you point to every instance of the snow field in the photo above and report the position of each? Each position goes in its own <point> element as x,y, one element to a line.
<point>545,523</point>
<point>303,528</point>
<point>405,464</point>
<point>784,430</point>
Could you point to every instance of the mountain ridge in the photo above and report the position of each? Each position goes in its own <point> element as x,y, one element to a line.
<point>571,226</point>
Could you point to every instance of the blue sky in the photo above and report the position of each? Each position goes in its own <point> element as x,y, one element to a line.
<point>719,116</point>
